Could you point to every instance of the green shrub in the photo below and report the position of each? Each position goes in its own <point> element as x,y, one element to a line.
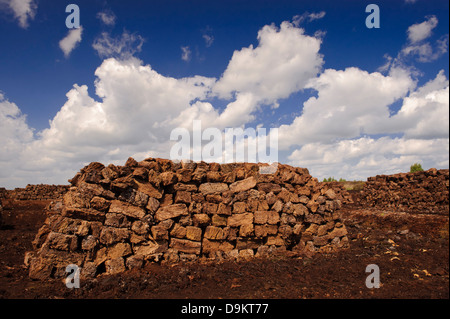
<point>416,167</point>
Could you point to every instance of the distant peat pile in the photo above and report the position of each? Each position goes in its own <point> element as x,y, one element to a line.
<point>420,192</point>
<point>38,192</point>
<point>3,192</point>
<point>115,218</point>
<point>341,193</point>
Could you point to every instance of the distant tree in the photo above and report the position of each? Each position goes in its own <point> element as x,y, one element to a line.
<point>342,180</point>
<point>329,179</point>
<point>416,167</point>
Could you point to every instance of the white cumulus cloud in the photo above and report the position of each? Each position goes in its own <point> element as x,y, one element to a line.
<point>425,112</point>
<point>284,60</point>
<point>421,31</point>
<point>282,63</point>
<point>422,120</point>
<point>14,130</point>
<point>70,41</point>
<point>349,103</point>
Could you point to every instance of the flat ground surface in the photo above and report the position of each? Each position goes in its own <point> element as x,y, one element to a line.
<point>411,251</point>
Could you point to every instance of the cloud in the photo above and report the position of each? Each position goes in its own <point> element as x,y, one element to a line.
<point>107,17</point>
<point>422,121</point>
<point>209,39</point>
<point>356,159</point>
<point>416,48</point>
<point>70,41</point>
<point>282,63</point>
<point>425,112</point>
<point>23,10</point>
<point>14,135</point>
<point>207,36</point>
<point>316,16</point>
<point>309,17</point>
<point>122,47</point>
<point>421,31</point>
<point>349,103</point>
<point>14,130</point>
<point>134,102</point>
<point>186,53</point>
<point>426,52</point>
<point>239,112</point>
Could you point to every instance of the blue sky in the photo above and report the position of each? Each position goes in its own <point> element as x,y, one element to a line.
<point>349,101</point>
